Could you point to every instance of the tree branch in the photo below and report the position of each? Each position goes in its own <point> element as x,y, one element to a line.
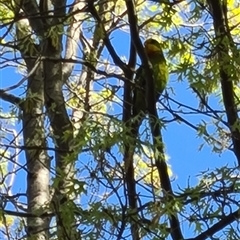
<point>73,34</point>
<point>154,122</point>
<point>31,10</point>
<point>77,61</point>
<point>218,226</point>
<point>117,60</point>
<point>218,10</point>
<point>10,98</point>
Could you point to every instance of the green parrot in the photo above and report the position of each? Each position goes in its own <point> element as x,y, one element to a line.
<point>160,76</point>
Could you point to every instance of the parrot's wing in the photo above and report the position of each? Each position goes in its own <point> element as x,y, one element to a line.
<point>160,73</point>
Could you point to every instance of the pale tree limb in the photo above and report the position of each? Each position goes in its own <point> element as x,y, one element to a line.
<point>37,160</point>
<point>53,79</point>
<point>73,34</point>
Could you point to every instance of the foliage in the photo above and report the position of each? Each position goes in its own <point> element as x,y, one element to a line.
<point>66,124</point>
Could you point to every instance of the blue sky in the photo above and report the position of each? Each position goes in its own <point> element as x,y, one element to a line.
<point>182,143</point>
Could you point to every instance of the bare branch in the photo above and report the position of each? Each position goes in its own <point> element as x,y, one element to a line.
<point>10,98</point>
<point>117,60</point>
<point>219,13</point>
<point>29,74</point>
<point>226,220</point>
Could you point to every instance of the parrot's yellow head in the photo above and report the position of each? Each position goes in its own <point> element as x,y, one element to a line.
<point>152,47</point>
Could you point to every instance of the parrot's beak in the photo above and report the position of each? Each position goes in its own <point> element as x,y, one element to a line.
<point>151,48</point>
